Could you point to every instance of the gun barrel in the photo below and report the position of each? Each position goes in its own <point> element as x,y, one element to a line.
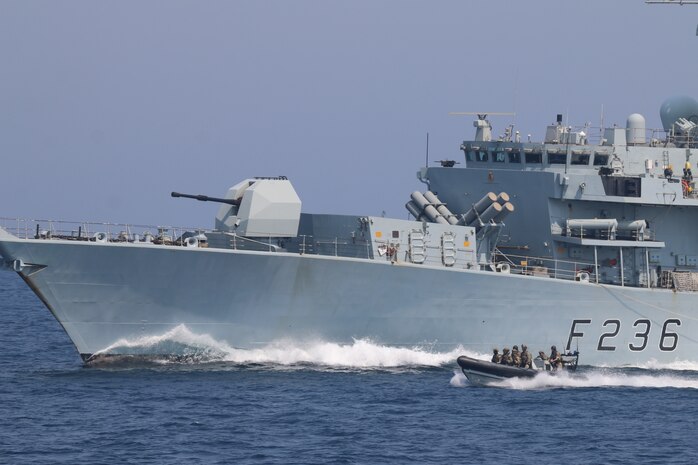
<point>206,198</point>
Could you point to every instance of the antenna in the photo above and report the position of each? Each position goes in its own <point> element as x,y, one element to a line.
<point>672,2</point>
<point>427,165</point>
<point>484,129</point>
<point>482,114</point>
<point>516,90</point>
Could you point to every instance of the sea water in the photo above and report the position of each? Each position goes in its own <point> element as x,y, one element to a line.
<point>317,402</point>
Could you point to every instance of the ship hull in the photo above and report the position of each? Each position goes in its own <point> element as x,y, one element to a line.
<point>105,294</point>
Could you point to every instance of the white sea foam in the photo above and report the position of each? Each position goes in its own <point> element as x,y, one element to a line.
<point>653,364</point>
<point>179,340</point>
<point>602,379</point>
<point>366,354</point>
<point>589,379</point>
<point>361,353</point>
<point>459,379</point>
<point>677,365</point>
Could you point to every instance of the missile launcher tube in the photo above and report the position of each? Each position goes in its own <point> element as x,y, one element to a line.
<point>479,207</point>
<point>440,207</point>
<point>428,210</point>
<point>507,208</point>
<point>414,210</point>
<point>491,212</point>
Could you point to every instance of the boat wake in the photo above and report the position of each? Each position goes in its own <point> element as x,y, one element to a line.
<point>181,346</point>
<point>194,348</point>
<point>594,378</point>
<point>678,365</point>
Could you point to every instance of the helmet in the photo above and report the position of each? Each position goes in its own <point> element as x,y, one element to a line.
<point>516,347</point>
<point>495,350</point>
<point>506,351</point>
<point>524,347</point>
<point>553,348</point>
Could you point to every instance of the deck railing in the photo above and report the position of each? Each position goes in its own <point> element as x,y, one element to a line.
<point>45,229</point>
<point>547,267</point>
<point>91,231</point>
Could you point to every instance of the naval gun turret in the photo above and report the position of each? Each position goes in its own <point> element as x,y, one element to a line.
<point>206,198</point>
<point>257,207</point>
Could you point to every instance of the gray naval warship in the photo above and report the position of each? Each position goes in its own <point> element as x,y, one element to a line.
<point>584,241</point>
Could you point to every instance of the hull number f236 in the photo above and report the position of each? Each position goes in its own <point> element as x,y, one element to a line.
<point>668,340</point>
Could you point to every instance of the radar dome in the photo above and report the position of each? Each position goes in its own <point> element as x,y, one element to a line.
<point>635,128</point>
<point>674,108</point>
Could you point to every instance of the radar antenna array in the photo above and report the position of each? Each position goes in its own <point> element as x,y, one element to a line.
<point>673,2</point>
<point>484,129</point>
<point>481,115</point>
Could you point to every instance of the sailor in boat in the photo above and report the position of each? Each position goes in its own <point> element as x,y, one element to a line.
<point>542,362</point>
<point>555,358</point>
<point>496,358</point>
<point>526,360</point>
<point>506,357</point>
<point>481,372</point>
<point>556,361</point>
<point>516,356</point>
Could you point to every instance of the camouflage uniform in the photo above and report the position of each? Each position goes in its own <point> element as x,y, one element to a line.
<point>516,356</point>
<point>526,360</point>
<point>506,358</point>
<point>496,358</point>
<point>555,359</point>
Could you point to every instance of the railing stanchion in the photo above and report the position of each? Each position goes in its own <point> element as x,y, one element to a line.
<point>596,264</point>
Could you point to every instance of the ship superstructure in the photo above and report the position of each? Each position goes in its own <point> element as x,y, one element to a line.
<point>584,245</point>
<point>619,211</point>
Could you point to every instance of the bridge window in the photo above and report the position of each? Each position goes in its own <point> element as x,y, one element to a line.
<point>534,157</point>
<point>600,160</point>
<point>499,157</point>
<point>580,159</point>
<point>481,155</point>
<point>515,157</point>
<point>557,158</point>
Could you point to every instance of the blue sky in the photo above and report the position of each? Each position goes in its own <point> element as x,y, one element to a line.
<point>106,107</point>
